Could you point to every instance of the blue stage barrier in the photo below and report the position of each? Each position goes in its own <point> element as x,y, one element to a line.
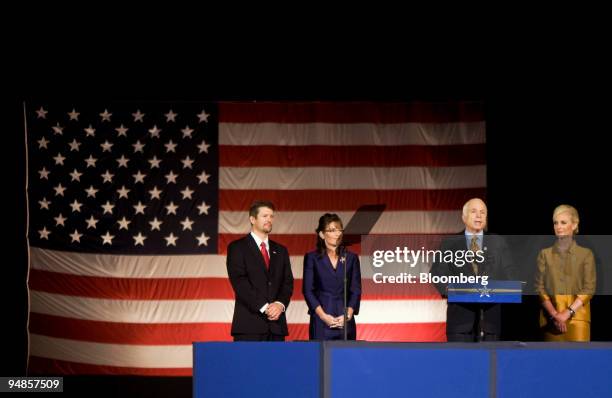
<point>571,370</point>
<point>364,369</point>
<point>253,369</point>
<point>397,370</point>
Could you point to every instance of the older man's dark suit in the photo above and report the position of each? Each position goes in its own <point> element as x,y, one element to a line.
<point>254,286</point>
<point>462,319</point>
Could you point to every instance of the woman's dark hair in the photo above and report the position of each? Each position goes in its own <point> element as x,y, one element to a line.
<point>324,222</point>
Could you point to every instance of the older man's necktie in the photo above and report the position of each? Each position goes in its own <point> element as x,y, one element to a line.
<point>474,248</point>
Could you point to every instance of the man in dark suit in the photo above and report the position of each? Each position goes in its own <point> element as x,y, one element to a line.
<point>260,273</point>
<point>466,321</point>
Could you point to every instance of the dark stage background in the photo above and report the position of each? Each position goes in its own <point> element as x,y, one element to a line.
<point>545,146</point>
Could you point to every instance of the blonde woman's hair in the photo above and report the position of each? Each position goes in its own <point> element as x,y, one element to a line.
<point>571,210</point>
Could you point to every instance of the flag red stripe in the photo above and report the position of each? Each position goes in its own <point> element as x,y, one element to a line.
<point>351,156</point>
<point>128,333</point>
<point>138,333</point>
<point>337,200</point>
<point>295,243</point>
<point>298,244</point>
<point>186,333</point>
<point>47,366</point>
<point>193,288</point>
<point>396,332</point>
<point>358,112</point>
<point>131,288</point>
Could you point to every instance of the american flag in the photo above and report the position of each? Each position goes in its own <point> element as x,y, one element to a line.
<point>132,206</point>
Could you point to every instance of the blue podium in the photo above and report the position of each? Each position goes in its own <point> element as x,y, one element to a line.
<point>363,369</point>
<point>493,292</point>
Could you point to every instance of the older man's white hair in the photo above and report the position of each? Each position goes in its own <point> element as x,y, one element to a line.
<point>467,205</point>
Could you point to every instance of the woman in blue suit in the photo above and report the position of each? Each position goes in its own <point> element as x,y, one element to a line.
<point>323,283</point>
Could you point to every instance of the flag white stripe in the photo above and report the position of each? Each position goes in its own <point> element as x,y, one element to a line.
<point>351,133</point>
<point>125,266</point>
<point>186,266</point>
<point>125,355</point>
<point>118,266</point>
<point>390,222</point>
<point>200,311</point>
<point>331,178</point>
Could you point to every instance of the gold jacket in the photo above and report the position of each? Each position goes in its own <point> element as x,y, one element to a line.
<point>561,278</point>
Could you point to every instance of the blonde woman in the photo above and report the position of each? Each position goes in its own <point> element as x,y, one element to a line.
<point>565,281</point>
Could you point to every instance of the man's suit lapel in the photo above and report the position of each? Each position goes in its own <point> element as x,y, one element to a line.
<point>486,239</point>
<point>274,257</point>
<point>256,252</point>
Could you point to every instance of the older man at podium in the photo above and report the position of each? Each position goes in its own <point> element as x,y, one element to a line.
<point>469,322</point>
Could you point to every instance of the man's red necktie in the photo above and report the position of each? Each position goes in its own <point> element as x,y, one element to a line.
<point>264,253</point>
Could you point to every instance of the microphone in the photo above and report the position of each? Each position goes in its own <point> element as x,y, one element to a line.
<point>342,260</point>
